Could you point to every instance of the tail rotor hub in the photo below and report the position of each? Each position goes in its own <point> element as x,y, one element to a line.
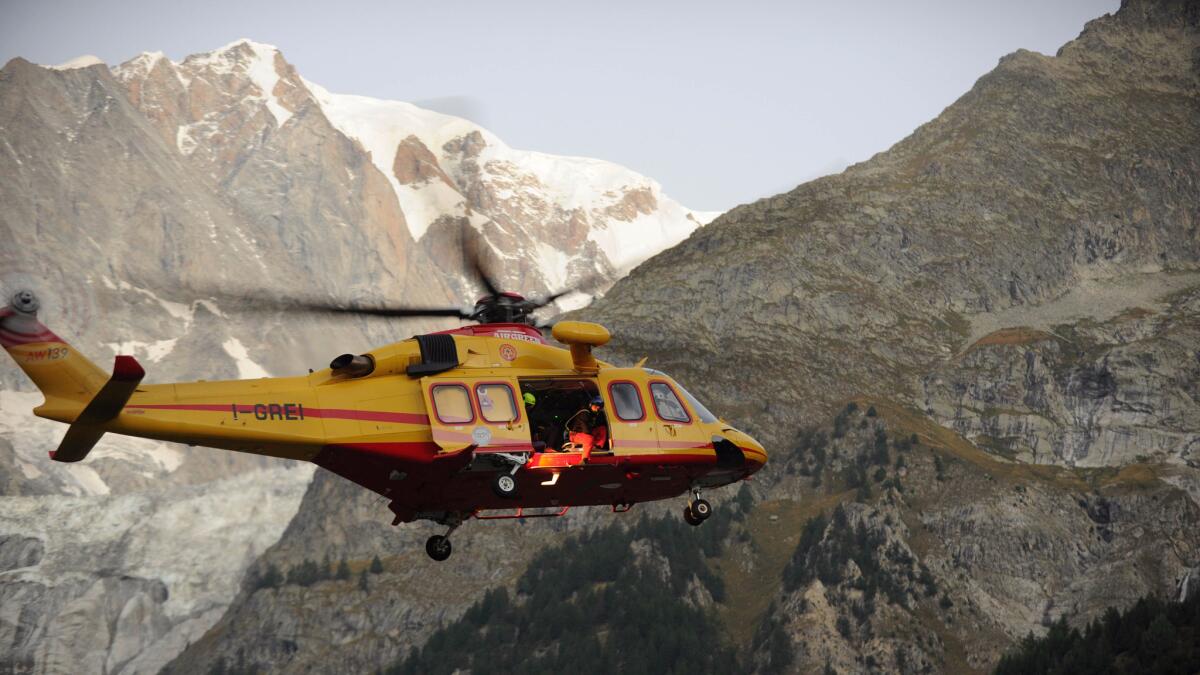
<point>25,302</point>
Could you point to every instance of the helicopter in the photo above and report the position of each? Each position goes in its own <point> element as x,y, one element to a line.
<point>459,424</point>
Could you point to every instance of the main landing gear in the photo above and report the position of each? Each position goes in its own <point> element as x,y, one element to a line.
<point>697,511</point>
<point>504,483</point>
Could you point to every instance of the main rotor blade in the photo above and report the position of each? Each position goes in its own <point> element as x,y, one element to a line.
<point>582,287</point>
<point>392,312</point>
<point>248,301</point>
<point>471,244</point>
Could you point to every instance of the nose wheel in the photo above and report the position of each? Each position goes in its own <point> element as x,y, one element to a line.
<point>697,511</point>
<point>438,546</point>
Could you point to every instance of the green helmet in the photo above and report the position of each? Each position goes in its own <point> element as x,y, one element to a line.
<point>529,399</point>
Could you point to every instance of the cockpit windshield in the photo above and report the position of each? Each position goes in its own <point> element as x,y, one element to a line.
<point>702,412</point>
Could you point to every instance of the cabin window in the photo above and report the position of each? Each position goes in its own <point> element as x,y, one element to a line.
<point>627,401</point>
<point>496,402</point>
<point>452,404</point>
<point>667,404</point>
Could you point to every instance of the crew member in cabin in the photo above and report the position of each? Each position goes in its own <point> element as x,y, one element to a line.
<point>589,427</point>
<point>537,426</point>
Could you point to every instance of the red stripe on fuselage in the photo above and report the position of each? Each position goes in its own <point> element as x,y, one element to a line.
<point>367,415</point>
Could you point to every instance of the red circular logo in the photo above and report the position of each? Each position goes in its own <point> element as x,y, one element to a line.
<point>508,352</point>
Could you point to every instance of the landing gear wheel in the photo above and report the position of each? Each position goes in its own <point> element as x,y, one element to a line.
<point>700,509</point>
<point>689,518</point>
<point>505,485</point>
<point>438,547</point>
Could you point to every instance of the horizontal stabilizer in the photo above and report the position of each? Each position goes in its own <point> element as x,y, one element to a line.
<point>86,430</point>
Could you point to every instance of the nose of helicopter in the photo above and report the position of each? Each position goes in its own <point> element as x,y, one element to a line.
<point>752,450</point>
<point>756,454</point>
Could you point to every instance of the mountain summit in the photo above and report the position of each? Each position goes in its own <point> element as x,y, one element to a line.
<point>556,218</point>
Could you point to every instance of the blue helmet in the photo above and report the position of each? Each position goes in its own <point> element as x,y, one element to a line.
<point>596,400</point>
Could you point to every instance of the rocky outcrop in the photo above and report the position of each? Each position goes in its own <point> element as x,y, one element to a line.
<point>121,583</point>
<point>1087,394</point>
<point>948,555</point>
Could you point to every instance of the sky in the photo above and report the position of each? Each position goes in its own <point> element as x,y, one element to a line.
<point>722,103</point>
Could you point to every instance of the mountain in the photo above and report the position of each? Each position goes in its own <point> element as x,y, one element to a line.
<point>1015,287</point>
<point>140,201</point>
<point>973,357</point>
<point>553,219</point>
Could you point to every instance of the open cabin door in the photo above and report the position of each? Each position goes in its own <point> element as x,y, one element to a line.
<point>482,413</point>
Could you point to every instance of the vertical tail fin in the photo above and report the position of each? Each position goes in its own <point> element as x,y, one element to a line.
<point>66,377</point>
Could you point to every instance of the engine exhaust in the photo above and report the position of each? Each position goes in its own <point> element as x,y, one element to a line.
<point>351,365</point>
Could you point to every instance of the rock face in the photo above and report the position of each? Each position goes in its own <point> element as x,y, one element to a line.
<point>139,201</point>
<point>1084,394</point>
<point>121,583</point>
<point>948,555</point>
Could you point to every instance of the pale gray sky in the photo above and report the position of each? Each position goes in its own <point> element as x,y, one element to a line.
<point>721,102</point>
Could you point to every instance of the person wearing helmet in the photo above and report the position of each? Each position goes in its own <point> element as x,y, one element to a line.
<point>589,427</point>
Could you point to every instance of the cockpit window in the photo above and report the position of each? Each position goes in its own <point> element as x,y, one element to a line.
<point>705,415</point>
<point>666,404</point>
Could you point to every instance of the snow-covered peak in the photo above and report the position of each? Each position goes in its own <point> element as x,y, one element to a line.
<point>139,66</point>
<point>557,219</point>
<point>255,60</point>
<point>257,47</point>
<point>232,53</point>
<point>79,62</point>
<point>523,180</point>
